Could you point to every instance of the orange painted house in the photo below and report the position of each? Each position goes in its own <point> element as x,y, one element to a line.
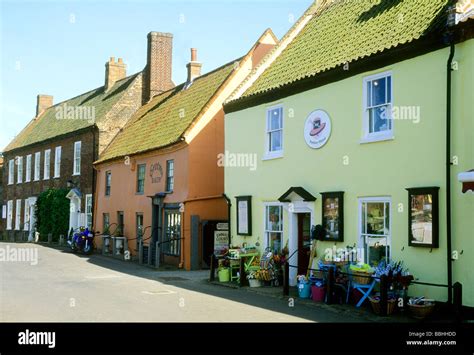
<point>159,180</point>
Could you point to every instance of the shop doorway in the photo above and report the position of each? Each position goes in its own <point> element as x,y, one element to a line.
<point>304,242</point>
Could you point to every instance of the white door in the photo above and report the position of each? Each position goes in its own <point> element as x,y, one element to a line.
<point>75,210</point>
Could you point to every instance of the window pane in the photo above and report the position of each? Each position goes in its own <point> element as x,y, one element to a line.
<point>378,92</point>
<point>275,141</point>
<point>375,218</point>
<point>274,222</point>
<point>379,119</point>
<point>275,119</point>
<point>274,241</point>
<point>364,211</point>
<point>389,89</point>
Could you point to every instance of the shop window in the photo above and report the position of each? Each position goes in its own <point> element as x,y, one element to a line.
<point>28,168</point>
<point>333,215</point>
<point>108,182</point>
<point>375,229</point>
<point>77,159</point>
<point>423,219</point>
<point>274,133</point>
<point>19,162</point>
<point>11,172</point>
<point>378,123</point>
<point>37,165</point>
<point>274,227</point>
<point>47,161</point>
<point>89,211</point>
<point>169,175</point>
<point>172,238</point>
<point>141,178</point>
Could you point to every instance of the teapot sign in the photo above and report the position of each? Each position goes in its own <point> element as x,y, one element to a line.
<point>317,129</point>
<point>156,173</point>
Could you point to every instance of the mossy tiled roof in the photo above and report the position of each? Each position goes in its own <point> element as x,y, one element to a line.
<point>166,117</point>
<point>345,31</point>
<point>48,126</point>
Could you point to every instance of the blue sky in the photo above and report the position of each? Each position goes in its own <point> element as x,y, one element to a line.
<point>60,48</point>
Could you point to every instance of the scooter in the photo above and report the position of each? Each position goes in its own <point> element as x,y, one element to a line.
<point>82,241</point>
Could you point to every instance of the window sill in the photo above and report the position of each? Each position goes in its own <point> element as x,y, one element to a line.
<point>46,179</point>
<point>273,155</point>
<point>56,177</point>
<point>378,138</point>
<point>76,174</point>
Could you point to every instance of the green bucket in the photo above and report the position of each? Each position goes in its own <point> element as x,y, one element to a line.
<point>224,275</point>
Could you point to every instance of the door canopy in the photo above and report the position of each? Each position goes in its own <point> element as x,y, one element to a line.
<point>297,194</point>
<point>467,179</point>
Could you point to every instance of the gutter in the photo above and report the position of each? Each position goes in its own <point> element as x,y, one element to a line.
<point>229,205</point>
<point>449,248</point>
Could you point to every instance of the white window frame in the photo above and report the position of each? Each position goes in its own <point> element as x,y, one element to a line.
<point>376,136</point>
<point>26,218</point>
<point>37,176</point>
<point>47,164</point>
<point>19,164</point>
<point>11,172</point>
<point>28,168</point>
<point>265,231</point>
<point>57,162</point>
<point>89,203</point>
<point>9,215</point>
<point>4,211</point>
<point>362,236</point>
<point>269,154</point>
<point>76,163</point>
<point>18,215</point>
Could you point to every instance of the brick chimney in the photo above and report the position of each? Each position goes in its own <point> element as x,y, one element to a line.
<point>194,67</point>
<point>43,102</point>
<point>114,71</point>
<point>158,67</point>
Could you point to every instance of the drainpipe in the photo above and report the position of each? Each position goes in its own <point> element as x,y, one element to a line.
<point>450,38</point>
<point>229,205</point>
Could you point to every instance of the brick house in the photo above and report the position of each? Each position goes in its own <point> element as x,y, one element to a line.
<point>59,145</point>
<point>160,180</point>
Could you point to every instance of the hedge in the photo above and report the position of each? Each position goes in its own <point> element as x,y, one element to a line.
<point>52,214</point>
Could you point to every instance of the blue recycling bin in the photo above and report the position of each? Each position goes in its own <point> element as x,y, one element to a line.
<point>304,289</point>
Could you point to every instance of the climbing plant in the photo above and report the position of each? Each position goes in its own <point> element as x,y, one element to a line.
<point>52,213</point>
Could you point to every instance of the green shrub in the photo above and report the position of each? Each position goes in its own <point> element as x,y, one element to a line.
<point>52,214</point>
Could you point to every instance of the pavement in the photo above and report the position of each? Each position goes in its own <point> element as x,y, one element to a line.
<point>65,287</point>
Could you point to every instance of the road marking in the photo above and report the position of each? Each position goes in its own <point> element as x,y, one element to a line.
<point>104,277</point>
<point>164,292</point>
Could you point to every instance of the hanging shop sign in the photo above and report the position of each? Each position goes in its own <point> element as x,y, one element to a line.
<point>317,129</point>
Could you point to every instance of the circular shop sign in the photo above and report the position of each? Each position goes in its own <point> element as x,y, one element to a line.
<point>317,129</point>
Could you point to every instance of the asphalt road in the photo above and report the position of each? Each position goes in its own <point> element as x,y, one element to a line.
<point>63,287</point>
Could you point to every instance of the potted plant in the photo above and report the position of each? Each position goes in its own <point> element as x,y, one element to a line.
<point>253,280</point>
<point>223,271</point>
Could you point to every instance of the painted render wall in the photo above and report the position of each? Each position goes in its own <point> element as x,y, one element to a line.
<point>415,158</point>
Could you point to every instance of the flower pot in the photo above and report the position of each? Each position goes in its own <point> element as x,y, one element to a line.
<point>255,283</point>
<point>224,275</point>
<point>304,289</point>
<point>318,294</point>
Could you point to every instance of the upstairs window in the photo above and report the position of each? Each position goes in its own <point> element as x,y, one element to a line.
<point>77,159</point>
<point>378,124</point>
<point>37,165</point>
<point>108,182</point>
<point>57,162</point>
<point>141,178</point>
<point>19,162</point>
<point>11,171</point>
<point>274,132</point>
<point>169,175</point>
<point>28,168</point>
<point>47,162</point>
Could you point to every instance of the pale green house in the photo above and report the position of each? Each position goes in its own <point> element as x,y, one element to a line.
<point>348,121</point>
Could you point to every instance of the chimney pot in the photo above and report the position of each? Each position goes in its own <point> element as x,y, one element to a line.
<point>193,54</point>
<point>43,102</point>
